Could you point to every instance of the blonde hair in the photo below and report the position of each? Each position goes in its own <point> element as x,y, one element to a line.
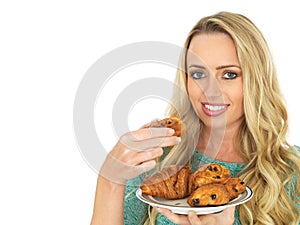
<point>272,163</point>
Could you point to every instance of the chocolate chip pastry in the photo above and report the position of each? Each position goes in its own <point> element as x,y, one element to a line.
<point>172,122</point>
<point>211,173</point>
<point>210,185</point>
<point>214,186</point>
<point>235,186</point>
<point>209,194</point>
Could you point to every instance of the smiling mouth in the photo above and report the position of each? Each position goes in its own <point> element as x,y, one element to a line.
<point>213,109</point>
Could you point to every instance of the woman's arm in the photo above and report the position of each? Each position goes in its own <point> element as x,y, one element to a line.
<point>134,154</point>
<point>109,204</point>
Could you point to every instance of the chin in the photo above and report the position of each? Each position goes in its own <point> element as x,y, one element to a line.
<point>214,122</point>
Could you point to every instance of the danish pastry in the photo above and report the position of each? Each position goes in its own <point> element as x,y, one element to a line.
<point>172,122</point>
<point>210,185</point>
<point>173,182</point>
<point>208,195</point>
<point>235,186</point>
<point>211,173</point>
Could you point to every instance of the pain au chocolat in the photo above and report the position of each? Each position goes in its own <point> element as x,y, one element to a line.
<point>210,185</point>
<point>172,122</point>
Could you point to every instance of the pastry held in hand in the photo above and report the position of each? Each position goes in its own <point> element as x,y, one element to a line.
<point>172,122</point>
<point>173,182</point>
<point>211,173</point>
<point>209,195</point>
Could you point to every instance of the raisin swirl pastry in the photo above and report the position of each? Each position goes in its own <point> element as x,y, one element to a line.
<point>211,173</point>
<point>235,186</point>
<point>209,195</point>
<point>173,182</point>
<point>172,122</point>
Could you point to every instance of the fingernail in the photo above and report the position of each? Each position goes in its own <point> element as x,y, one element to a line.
<point>171,131</point>
<point>178,139</point>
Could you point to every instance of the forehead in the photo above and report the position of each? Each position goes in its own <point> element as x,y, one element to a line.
<point>212,49</point>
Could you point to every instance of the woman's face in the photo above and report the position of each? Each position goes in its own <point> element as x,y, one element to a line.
<point>215,84</point>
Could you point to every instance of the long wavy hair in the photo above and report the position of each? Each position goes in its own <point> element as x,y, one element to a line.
<point>272,163</point>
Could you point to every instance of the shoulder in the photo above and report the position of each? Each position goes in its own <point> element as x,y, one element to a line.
<point>295,163</point>
<point>294,159</point>
<point>295,155</point>
<point>297,147</point>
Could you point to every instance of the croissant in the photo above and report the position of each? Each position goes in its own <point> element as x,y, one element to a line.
<point>172,122</point>
<point>173,182</point>
<point>211,173</point>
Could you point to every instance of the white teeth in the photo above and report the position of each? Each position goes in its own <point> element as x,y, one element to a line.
<point>214,107</point>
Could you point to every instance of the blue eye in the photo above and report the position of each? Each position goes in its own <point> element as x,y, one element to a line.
<point>230,75</point>
<point>198,75</point>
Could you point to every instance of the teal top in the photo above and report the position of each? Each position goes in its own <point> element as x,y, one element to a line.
<point>135,211</point>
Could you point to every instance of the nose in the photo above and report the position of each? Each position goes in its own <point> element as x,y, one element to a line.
<point>212,87</point>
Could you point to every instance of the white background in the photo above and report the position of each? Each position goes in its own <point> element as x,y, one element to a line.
<point>45,49</point>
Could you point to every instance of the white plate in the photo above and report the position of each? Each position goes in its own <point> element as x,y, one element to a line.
<point>180,206</point>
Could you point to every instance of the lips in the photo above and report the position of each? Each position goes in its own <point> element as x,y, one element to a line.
<point>214,109</point>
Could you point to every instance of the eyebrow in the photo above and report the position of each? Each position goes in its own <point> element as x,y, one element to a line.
<point>218,67</point>
<point>226,66</point>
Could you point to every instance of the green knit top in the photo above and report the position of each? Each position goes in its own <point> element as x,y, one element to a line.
<point>135,211</point>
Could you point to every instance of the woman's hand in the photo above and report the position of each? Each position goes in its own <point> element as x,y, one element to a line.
<point>136,152</point>
<point>226,217</point>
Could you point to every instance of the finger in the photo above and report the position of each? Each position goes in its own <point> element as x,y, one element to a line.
<point>225,217</point>
<point>119,172</point>
<point>229,213</point>
<point>149,144</point>
<point>160,142</point>
<point>147,156</point>
<point>230,209</point>
<point>137,158</point>
<point>175,218</point>
<point>148,133</point>
<point>146,166</point>
<point>193,218</point>
<point>133,157</point>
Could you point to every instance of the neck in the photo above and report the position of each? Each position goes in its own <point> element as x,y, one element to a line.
<point>220,144</point>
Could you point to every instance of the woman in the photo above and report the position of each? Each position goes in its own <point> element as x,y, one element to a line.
<point>235,116</point>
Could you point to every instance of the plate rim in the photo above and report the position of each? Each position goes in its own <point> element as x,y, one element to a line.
<point>199,210</point>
